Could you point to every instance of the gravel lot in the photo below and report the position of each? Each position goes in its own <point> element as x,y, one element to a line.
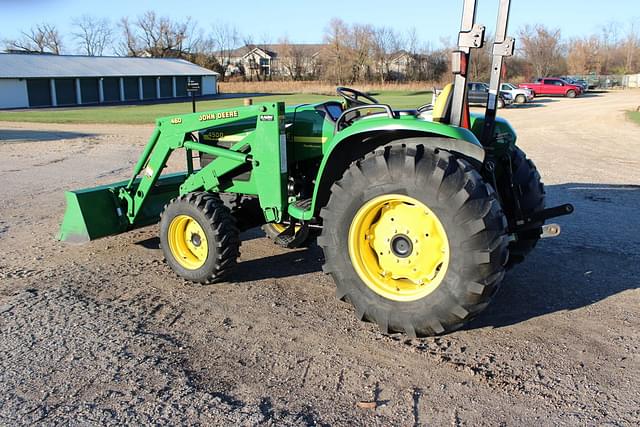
<point>105,333</point>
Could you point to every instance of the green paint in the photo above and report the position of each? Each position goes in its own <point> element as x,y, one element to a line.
<point>97,212</point>
<point>255,150</point>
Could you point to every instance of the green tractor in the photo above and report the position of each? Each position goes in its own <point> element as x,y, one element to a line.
<point>419,212</point>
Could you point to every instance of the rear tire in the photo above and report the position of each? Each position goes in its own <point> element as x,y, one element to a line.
<point>199,237</point>
<point>530,196</point>
<point>472,223</point>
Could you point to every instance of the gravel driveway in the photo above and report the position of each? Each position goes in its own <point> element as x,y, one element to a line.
<point>105,333</point>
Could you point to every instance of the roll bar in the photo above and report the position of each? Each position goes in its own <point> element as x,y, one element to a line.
<point>471,36</point>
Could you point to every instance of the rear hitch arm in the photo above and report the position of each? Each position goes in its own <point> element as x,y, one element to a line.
<point>550,230</point>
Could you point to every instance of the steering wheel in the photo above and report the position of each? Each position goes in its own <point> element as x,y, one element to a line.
<point>353,97</point>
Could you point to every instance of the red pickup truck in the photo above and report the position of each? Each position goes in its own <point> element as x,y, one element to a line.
<point>551,86</point>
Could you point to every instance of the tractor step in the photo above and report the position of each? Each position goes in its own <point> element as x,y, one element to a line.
<point>301,209</point>
<point>292,238</point>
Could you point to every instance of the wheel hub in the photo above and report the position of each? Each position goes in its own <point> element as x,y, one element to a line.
<point>398,247</point>
<point>401,246</point>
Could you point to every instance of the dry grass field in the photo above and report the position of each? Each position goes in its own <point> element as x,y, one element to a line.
<point>320,88</point>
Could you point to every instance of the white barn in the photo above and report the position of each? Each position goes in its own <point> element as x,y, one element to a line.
<point>41,80</point>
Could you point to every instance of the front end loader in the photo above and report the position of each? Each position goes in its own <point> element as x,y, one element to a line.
<point>419,212</point>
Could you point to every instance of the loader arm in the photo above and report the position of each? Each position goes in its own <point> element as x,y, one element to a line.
<point>115,208</point>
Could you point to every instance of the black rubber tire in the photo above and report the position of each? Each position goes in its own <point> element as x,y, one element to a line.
<point>469,212</point>
<point>245,209</point>
<point>521,99</point>
<point>500,103</point>
<point>219,226</point>
<point>571,94</point>
<point>530,197</point>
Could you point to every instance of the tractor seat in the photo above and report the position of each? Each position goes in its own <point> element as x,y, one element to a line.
<point>441,112</point>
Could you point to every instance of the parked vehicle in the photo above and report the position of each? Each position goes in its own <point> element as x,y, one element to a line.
<point>520,96</point>
<point>552,86</point>
<point>478,93</point>
<point>583,84</point>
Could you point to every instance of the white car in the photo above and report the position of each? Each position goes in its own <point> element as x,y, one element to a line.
<point>520,95</point>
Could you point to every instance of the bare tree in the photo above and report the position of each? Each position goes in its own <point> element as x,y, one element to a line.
<point>608,41</point>
<point>361,45</point>
<point>336,54</point>
<point>92,34</point>
<point>42,38</point>
<point>159,37</point>
<point>543,48</point>
<point>631,47</point>
<point>584,55</point>
<point>292,59</point>
<point>129,45</point>
<point>385,42</point>
<point>225,38</point>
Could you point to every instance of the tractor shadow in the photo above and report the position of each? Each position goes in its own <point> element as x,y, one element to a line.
<point>596,256</point>
<point>525,106</point>
<point>537,101</point>
<point>295,262</point>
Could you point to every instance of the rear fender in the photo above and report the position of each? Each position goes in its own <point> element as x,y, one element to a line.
<point>350,146</point>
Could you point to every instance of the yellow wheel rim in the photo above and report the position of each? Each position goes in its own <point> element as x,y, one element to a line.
<point>398,247</point>
<point>188,242</point>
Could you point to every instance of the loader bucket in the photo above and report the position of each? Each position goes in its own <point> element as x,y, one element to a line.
<point>97,212</point>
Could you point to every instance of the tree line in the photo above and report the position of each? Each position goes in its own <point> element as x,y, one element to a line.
<point>351,53</point>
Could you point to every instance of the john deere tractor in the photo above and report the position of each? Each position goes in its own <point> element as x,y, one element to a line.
<point>419,212</point>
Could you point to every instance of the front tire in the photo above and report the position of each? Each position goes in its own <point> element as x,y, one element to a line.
<point>402,199</point>
<point>571,94</point>
<point>521,99</point>
<point>199,237</point>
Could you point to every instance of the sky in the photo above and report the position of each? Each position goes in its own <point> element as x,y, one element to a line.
<point>304,21</point>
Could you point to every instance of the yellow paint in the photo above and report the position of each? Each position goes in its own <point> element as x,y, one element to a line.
<point>279,228</point>
<point>371,233</point>
<point>218,116</point>
<point>312,139</point>
<point>440,106</point>
<point>232,138</point>
<point>183,233</point>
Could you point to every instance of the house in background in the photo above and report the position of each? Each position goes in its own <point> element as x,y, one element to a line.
<point>296,61</point>
<point>404,65</point>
